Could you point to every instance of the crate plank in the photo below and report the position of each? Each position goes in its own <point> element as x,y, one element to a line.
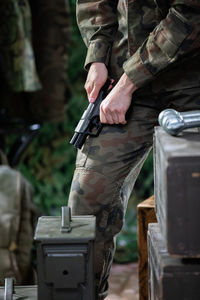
<point>146,215</point>
<point>177,190</point>
<point>170,278</point>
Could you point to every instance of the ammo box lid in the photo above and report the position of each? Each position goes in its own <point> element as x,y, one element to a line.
<point>49,229</point>
<point>186,144</point>
<point>165,263</point>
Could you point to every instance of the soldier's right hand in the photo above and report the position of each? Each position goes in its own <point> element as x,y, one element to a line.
<point>96,78</point>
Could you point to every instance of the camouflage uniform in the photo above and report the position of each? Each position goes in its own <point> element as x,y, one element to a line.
<point>156,43</point>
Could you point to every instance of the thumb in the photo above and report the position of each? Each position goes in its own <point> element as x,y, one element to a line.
<point>94,93</point>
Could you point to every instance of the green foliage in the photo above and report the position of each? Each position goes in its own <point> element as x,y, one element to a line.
<point>77,50</point>
<point>144,186</point>
<point>49,162</point>
<point>126,242</point>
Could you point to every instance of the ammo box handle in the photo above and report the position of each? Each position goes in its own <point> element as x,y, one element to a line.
<point>9,288</point>
<point>66,219</point>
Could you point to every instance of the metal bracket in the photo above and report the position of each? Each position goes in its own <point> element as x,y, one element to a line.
<point>66,219</point>
<point>9,289</point>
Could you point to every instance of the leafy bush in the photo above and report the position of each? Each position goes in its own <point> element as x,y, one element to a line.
<point>49,162</point>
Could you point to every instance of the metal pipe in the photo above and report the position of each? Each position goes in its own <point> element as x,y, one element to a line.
<point>174,122</point>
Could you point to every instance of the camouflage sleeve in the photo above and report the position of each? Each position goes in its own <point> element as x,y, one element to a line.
<point>176,37</point>
<point>98,23</point>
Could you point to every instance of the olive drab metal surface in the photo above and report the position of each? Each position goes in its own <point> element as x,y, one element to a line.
<point>177,190</point>
<point>65,257</point>
<point>64,260</point>
<point>170,278</point>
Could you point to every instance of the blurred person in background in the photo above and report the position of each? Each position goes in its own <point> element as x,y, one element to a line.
<point>34,39</point>
<point>34,42</point>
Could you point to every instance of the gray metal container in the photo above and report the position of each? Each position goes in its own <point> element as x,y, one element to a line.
<point>177,190</point>
<point>170,278</point>
<point>65,258</point>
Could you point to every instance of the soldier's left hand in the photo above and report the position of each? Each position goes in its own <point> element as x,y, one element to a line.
<point>114,107</point>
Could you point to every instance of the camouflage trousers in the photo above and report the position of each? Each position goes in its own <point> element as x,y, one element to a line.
<point>108,165</point>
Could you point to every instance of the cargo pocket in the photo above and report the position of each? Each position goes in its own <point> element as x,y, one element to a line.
<point>82,153</point>
<point>171,33</point>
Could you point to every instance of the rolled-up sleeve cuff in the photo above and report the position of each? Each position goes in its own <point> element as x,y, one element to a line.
<point>98,51</point>
<point>136,70</point>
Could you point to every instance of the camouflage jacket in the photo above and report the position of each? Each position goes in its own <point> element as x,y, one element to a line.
<point>152,41</point>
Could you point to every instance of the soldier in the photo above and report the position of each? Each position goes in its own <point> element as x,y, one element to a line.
<point>151,51</point>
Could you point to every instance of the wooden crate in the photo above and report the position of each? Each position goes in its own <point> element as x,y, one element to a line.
<point>146,215</point>
<point>170,278</point>
<point>177,189</point>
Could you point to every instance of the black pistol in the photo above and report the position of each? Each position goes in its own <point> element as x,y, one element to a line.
<point>89,123</point>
